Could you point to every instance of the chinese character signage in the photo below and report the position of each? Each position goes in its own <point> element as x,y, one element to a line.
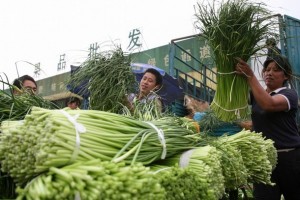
<point>134,37</point>
<point>193,51</point>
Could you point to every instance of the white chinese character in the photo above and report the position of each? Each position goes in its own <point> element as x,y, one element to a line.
<point>134,36</point>
<point>152,61</point>
<point>186,56</point>
<point>205,52</point>
<point>53,86</point>
<point>61,86</point>
<point>166,59</point>
<point>41,89</point>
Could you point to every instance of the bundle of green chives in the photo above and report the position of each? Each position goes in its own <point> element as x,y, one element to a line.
<point>205,161</point>
<point>232,29</point>
<point>259,154</point>
<point>94,179</point>
<point>149,111</point>
<point>54,138</point>
<point>108,78</point>
<point>233,168</point>
<point>15,107</point>
<point>183,183</point>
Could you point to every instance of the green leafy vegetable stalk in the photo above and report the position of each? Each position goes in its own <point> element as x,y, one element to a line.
<point>109,79</point>
<point>94,179</point>
<point>233,29</point>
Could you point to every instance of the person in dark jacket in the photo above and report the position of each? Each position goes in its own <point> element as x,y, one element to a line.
<point>274,110</point>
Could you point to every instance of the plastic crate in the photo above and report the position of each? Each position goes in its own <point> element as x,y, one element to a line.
<point>178,108</point>
<point>226,128</point>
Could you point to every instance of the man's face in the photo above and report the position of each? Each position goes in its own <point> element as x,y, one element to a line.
<point>148,83</point>
<point>30,86</point>
<point>27,86</point>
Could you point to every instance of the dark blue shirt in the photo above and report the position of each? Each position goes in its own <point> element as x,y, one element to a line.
<point>281,126</point>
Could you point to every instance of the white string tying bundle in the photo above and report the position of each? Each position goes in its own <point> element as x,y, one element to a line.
<point>233,72</point>
<point>79,128</point>
<point>236,110</point>
<point>162,169</point>
<point>185,158</point>
<point>161,138</point>
<point>77,196</point>
<point>226,73</point>
<point>229,73</point>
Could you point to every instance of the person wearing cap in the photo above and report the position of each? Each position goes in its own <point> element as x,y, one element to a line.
<point>24,83</point>
<point>274,111</point>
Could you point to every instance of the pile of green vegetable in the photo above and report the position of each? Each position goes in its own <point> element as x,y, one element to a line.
<point>51,147</point>
<point>184,183</point>
<point>108,78</point>
<point>94,179</point>
<point>254,149</point>
<point>227,162</point>
<point>145,111</point>
<point>233,29</point>
<point>233,168</point>
<point>205,161</point>
<point>16,107</point>
<point>55,138</point>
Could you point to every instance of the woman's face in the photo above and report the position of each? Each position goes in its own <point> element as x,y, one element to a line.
<point>148,83</point>
<point>274,76</point>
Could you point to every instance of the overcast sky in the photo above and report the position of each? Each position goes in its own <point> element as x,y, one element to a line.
<point>39,31</point>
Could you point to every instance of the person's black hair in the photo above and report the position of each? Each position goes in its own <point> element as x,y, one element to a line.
<point>20,81</point>
<point>157,75</point>
<point>271,41</point>
<point>283,63</point>
<point>74,99</point>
